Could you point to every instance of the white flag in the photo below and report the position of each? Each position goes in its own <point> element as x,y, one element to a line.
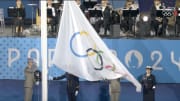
<point>80,51</point>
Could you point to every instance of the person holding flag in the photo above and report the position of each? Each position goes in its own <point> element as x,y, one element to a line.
<point>80,51</point>
<point>72,85</point>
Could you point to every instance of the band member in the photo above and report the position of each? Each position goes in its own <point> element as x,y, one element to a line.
<point>72,85</point>
<point>127,21</point>
<point>148,82</point>
<point>20,15</point>
<point>29,79</point>
<point>158,24</point>
<point>51,17</point>
<point>106,15</point>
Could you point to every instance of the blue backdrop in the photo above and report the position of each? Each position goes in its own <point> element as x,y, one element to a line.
<point>162,55</point>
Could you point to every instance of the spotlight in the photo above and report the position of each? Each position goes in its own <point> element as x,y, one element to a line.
<point>145,18</point>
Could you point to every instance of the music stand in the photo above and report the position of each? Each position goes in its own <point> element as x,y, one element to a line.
<point>32,7</point>
<point>49,13</point>
<point>164,13</point>
<point>95,13</point>
<point>89,4</point>
<point>129,14</point>
<point>12,14</point>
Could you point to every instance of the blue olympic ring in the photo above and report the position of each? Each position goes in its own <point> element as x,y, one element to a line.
<point>71,41</point>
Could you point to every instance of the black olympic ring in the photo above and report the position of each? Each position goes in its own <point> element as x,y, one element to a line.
<point>100,57</point>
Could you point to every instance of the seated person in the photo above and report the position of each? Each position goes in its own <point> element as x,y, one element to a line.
<point>127,21</point>
<point>158,24</point>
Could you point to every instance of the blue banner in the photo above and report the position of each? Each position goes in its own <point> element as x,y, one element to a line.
<point>162,55</point>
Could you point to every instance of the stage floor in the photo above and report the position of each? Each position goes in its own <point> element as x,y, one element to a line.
<point>13,90</point>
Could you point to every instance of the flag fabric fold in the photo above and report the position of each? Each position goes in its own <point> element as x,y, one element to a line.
<point>80,51</point>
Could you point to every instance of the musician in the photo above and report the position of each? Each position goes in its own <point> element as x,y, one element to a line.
<point>106,12</point>
<point>106,15</point>
<point>51,16</point>
<point>127,21</point>
<point>20,15</point>
<point>158,24</point>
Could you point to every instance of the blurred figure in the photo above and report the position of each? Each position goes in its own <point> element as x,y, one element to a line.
<point>51,17</point>
<point>114,89</point>
<point>20,15</point>
<point>158,24</point>
<point>72,85</point>
<point>177,21</point>
<point>127,21</point>
<point>105,21</point>
<point>106,15</point>
<point>148,82</point>
<point>29,79</point>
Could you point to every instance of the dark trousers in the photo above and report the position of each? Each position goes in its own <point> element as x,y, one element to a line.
<point>155,26</point>
<point>106,26</point>
<point>126,24</point>
<point>148,95</point>
<point>71,94</point>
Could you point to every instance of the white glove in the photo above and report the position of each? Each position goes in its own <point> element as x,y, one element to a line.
<point>154,87</point>
<point>76,93</point>
<point>37,83</point>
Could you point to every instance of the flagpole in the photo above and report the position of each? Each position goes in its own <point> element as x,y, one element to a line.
<point>44,49</point>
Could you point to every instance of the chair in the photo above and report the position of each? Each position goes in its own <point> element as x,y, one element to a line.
<point>2,22</point>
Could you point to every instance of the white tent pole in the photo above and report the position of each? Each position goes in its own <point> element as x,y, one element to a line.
<point>44,49</point>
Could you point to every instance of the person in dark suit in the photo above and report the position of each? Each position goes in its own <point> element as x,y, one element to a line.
<point>51,18</point>
<point>29,80</point>
<point>148,82</point>
<point>106,17</point>
<point>19,19</point>
<point>72,85</point>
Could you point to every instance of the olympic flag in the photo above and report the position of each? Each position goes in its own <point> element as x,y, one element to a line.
<point>80,51</point>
